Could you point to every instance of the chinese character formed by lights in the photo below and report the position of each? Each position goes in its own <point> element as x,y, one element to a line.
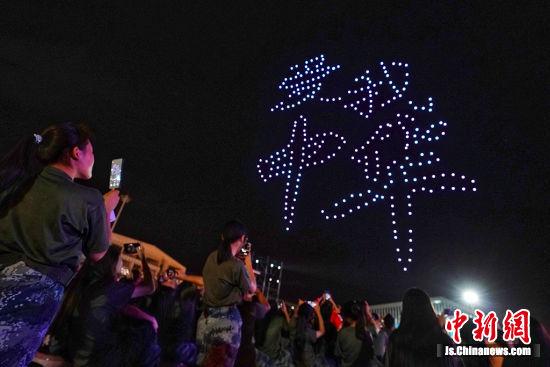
<point>397,161</point>
<point>305,83</point>
<point>399,165</point>
<point>302,152</point>
<point>369,94</point>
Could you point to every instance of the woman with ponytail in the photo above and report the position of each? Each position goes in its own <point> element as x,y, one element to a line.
<point>227,279</point>
<point>354,345</point>
<point>304,336</point>
<point>48,223</point>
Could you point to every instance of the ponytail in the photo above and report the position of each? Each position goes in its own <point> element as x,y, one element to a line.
<point>303,323</point>
<point>232,231</point>
<point>20,166</point>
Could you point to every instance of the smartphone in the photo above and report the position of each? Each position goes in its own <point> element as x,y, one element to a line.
<point>131,248</point>
<point>116,173</point>
<point>245,250</point>
<point>171,272</point>
<point>312,304</point>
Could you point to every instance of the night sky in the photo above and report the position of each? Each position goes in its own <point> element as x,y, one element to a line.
<point>182,91</point>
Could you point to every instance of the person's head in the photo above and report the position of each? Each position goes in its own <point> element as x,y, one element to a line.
<point>66,144</point>
<point>419,324</point>
<point>305,312</point>
<point>262,325</point>
<point>351,312</point>
<point>108,268</point>
<point>303,323</point>
<point>69,145</point>
<point>389,321</point>
<point>417,309</point>
<point>326,311</point>
<point>233,238</point>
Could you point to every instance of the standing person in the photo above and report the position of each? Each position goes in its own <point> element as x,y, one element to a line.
<point>304,335</point>
<point>354,345</point>
<point>383,337</point>
<point>104,328</point>
<point>416,340</point>
<point>226,281</point>
<point>47,223</point>
<point>269,338</point>
<point>252,309</point>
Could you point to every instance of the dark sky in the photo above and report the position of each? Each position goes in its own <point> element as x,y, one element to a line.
<point>182,91</point>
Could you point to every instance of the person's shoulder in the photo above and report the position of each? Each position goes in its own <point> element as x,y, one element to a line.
<point>346,331</point>
<point>90,194</point>
<point>211,259</point>
<point>84,194</point>
<point>212,256</point>
<point>235,262</point>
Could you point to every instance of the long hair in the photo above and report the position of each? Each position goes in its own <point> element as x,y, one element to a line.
<point>331,334</point>
<point>414,342</point>
<point>303,323</point>
<point>354,311</point>
<point>20,166</point>
<point>232,231</point>
<point>418,318</point>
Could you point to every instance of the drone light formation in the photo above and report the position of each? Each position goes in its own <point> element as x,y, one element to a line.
<point>302,152</point>
<point>398,161</point>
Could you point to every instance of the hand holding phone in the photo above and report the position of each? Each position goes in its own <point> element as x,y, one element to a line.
<point>114,184</point>
<point>111,200</point>
<point>116,173</point>
<point>132,248</point>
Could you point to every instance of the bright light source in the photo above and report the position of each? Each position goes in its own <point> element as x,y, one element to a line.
<point>470,297</point>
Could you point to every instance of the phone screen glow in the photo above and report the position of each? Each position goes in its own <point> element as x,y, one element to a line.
<point>116,174</point>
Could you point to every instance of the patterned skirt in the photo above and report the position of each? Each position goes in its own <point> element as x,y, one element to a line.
<point>219,336</point>
<point>29,301</point>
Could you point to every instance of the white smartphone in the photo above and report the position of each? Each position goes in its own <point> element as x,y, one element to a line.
<point>116,173</point>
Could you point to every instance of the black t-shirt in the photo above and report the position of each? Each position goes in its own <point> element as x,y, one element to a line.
<point>54,225</point>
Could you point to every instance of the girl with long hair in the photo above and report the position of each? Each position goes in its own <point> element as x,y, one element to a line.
<point>47,224</point>
<point>414,343</point>
<point>227,279</point>
<point>269,335</point>
<point>354,344</point>
<point>304,335</point>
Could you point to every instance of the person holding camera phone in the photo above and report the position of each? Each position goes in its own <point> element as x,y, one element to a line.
<point>91,330</point>
<point>303,334</point>
<point>47,223</point>
<point>227,280</point>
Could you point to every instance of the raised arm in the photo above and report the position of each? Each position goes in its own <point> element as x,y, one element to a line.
<point>148,285</point>
<point>194,279</point>
<point>137,313</point>
<point>250,271</point>
<point>321,330</point>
